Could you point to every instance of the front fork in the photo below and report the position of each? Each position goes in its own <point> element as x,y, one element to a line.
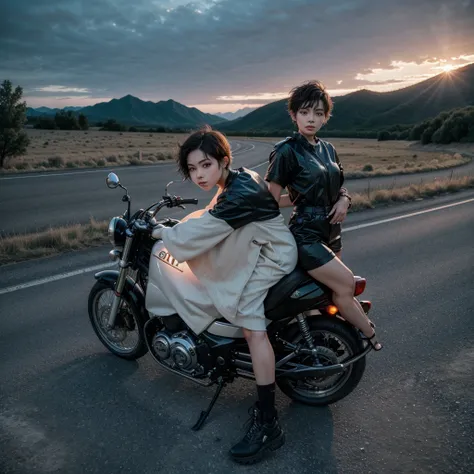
<point>120,284</point>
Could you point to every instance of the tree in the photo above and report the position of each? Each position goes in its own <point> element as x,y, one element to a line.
<point>66,120</point>
<point>383,135</point>
<point>113,126</point>
<point>426,136</point>
<point>45,123</point>
<point>417,130</point>
<point>83,122</point>
<point>13,139</point>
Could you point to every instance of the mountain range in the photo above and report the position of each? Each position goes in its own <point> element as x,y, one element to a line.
<point>360,110</point>
<point>237,114</point>
<point>130,110</point>
<point>368,110</point>
<point>42,111</point>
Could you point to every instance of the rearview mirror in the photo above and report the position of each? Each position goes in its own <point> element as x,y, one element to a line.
<point>112,180</point>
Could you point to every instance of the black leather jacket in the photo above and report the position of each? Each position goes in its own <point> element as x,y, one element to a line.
<point>245,199</point>
<point>312,174</point>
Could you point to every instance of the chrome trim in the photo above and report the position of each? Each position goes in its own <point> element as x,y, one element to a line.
<point>115,255</point>
<point>178,372</point>
<point>111,229</point>
<point>219,328</point>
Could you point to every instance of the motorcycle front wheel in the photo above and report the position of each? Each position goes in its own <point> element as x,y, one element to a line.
<point>336,342</point>
<point>127,339</point>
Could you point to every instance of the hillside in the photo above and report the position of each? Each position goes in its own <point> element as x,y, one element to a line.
<point>130,110</point>
<point>237,114</point>
<point>367,110</point>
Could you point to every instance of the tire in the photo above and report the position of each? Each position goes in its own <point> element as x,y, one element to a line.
<point>347,381</point>
<point>130,317</point>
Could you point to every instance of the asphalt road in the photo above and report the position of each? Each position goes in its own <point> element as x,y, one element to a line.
<point>35,201</point>
<point>68,406</point>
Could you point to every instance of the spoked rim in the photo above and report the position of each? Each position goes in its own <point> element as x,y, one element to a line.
<point>332,349</point>
<point>122,339</point>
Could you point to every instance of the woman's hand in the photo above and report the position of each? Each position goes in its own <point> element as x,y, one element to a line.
<point>339,210</point>
<point>157,231</point>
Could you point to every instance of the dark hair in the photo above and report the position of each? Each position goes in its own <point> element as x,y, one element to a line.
<point>307,95</point>
<point>211,142</point>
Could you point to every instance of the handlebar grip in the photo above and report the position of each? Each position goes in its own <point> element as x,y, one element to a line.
<point>188,201</point>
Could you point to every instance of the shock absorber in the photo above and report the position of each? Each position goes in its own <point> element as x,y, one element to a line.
<point>304,328</point>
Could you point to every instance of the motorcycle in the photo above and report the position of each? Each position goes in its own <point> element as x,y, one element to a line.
<point>320,358</point>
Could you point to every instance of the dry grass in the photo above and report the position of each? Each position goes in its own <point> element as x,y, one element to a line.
<point>409,193</point>
<point>57,149</point>
<point>53,241</point>
<point>363,158</point>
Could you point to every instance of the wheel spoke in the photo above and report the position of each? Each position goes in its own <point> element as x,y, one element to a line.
<point>121,339</point>
<point>332,349</point>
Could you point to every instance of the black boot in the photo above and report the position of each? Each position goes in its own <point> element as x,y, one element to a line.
<point>263,434</point>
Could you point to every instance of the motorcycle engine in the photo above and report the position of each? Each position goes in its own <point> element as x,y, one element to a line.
<point>180,352</point>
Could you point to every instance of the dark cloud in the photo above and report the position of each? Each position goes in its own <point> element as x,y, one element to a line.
<point>195,52</point>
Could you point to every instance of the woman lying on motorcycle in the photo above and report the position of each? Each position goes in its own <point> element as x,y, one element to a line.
<point>237,248</point>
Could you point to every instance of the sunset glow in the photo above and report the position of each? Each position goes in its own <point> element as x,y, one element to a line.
<point>221,56</point>
<point>448,67</point>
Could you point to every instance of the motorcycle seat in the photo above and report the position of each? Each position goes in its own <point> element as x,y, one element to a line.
<point>285,287</point>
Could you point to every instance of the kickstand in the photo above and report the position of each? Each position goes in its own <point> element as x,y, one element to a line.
<point>204,414</point>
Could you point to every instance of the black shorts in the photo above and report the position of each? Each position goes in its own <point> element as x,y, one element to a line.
<point>317,239</point>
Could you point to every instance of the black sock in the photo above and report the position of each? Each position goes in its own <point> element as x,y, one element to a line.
<point>266,400</point>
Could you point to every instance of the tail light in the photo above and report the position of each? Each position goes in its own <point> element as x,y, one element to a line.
<point>332,310</point>
<point>359,285</point>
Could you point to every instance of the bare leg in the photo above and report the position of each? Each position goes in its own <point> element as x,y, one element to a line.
<point>340,279</point>
<point>263,357</point>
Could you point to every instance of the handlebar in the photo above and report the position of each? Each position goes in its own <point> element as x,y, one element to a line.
<point>170,201</point>
<point>189,201</point>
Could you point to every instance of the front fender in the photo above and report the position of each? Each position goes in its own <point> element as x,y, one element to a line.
<point>131,290</point>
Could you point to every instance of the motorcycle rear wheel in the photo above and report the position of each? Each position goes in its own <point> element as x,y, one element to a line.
<point>337,341</point>
<point>127,339</point>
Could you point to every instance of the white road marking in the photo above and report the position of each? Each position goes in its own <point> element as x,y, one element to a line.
<point>104,266</point>
<point>261,164</point>
<point>74,173</point>
<point>405,216</point>
<point>59,276</point>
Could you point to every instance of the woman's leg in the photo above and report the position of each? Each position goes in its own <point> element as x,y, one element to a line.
<point>263,362</point>
<point>264,432</point>
<point>263,357</point>
<point>340,279</point>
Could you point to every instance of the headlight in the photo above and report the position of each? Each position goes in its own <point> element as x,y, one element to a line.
<point>117,227</point>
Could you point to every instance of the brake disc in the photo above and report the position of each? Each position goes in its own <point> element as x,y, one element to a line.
<point>118,334</point>
<point>327,357</point>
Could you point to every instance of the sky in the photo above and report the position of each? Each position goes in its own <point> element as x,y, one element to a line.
<point>223,55</point>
